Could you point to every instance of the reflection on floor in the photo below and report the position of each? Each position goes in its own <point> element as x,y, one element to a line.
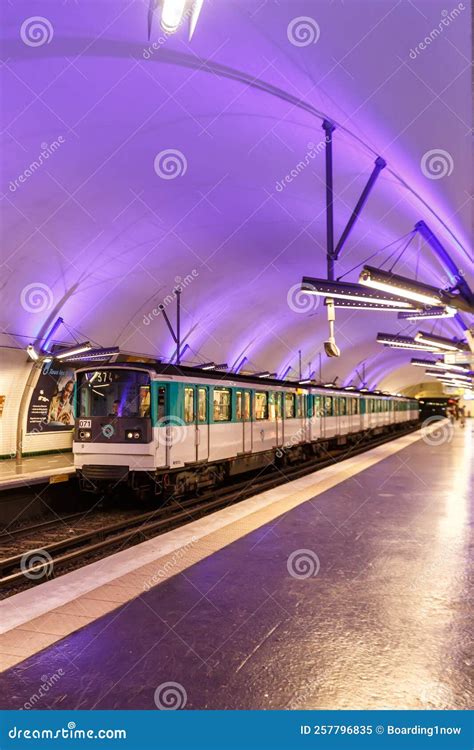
<point>34,468</point>
<point>356,599</point>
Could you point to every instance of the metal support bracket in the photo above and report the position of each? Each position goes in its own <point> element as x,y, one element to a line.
<point>455,274</point>
<point>176,336</point>
<point>329,128</point>
<point>379,165</point>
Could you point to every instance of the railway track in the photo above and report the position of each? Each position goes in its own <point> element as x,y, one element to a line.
<point>37,565</point>
<point>7,536</point>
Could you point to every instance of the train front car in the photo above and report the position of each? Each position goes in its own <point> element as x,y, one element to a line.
<point>113,436</point>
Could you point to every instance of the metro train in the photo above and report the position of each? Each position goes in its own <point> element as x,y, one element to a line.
<point>175,430</point>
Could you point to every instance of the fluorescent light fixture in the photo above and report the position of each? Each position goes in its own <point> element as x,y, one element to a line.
<point>87,354</point>
<point>352,292</point>
<point>403,342</point>
<point>79,349</point>
<point>444,366</point>
<point>172,14</point>
<point>440,342</point>
<point>305,381</point>
<point>444,374</point>
<point>428,312</point>
<point>213,366</point>
<point>391,283</point>
<point>265,374</point>
<point>456,384</point>
<point>424,362</point>
<point>353,305</point>
<point>175,12</point>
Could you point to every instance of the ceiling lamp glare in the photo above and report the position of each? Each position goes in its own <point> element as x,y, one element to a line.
<point>404,342</point>
<point>391,283</point>
<point>428,312</point>
<point>440,342</point>
<point>353,293</point>
<point>423,362</point>
<point>176,12</point>
<point>68,353</point>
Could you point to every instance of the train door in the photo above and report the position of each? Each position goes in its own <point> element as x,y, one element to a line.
<point>202,423</point>
<point>318,418</point>
<point>244,417</point>
<point>279,417</point>
<point>162,442</point>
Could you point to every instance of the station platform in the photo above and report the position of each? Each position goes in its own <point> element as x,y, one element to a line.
<point>348,588</point>
<point>48,468</point>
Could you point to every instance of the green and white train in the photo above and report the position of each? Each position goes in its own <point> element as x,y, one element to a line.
<point>180,429</point>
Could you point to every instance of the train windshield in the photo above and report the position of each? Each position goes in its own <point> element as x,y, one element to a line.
<point>113,393</point>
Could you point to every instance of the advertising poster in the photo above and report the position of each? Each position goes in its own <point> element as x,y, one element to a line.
<point>51,405</point>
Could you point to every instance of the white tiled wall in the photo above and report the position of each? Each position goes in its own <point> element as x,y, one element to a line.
<point>14,371</point>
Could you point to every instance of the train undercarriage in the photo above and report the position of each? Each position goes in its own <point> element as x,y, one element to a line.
<point>164,484</point>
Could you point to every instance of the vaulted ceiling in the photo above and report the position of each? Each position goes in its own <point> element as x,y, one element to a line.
<point>132,165</point>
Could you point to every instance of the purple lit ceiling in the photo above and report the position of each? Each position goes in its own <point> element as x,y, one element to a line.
<point>100,232</point>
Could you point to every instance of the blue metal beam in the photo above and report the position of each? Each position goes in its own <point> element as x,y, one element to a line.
<point>455,273</point>
<point>329,128</point>
<point>379,165</point>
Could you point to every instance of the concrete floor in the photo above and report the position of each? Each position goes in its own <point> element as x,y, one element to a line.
<point>34,469</point>
<point>357,599</point>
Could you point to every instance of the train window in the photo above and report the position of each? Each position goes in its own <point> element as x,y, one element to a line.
<point>342,407</point>
<point>299,404</point>
<point>289,405</point>
<point>222,405</point>
<point>238,405</point>
<point>328,406</point>
<point>202,404</point>
<point>242,402</point>
<point>261,405</point>
<point>247,405</point>
<point>317,409</point>
<point>161,403</point>
<point>356,406</point>
<point>188,405</point>
<point>113,393</point>
<point>274,406</point>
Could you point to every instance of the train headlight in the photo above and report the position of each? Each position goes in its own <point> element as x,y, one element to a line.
<point>84,435</point>
<point>133,434</point>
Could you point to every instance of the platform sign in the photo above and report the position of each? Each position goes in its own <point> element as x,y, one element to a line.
<point>51,407</point>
